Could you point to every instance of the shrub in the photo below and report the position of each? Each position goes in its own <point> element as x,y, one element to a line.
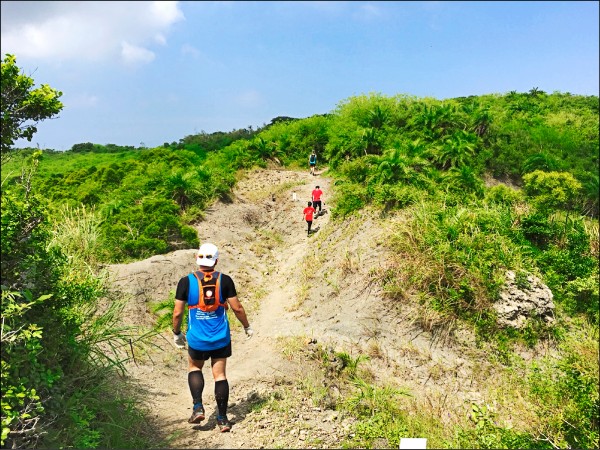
<point>539,229</point>
<point>190,236</point>
<point>349,199</point>
<point>144,247</point>
<point>397,195</point>
<point>565,392</point>
<point>55,349</point>
<point>456,256</point>
<point>551,189</point>
<point>504,195</point>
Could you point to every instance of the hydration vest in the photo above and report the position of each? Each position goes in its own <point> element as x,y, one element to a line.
<point>313,158</point>
<point>209,292</point>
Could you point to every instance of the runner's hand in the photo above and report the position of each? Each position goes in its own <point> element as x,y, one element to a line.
<point>249,332</point>
<point>179,340</point>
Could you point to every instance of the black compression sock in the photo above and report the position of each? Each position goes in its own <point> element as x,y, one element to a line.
<point>196,383</point>
<point>222,396</point>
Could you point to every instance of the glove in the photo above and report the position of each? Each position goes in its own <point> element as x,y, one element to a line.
<point>179,340</point>
<point>249,332</point>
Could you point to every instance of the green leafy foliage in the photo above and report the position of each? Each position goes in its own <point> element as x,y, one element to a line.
<point>55,347</point>
<point>381,414</point>
<point>551,190</point>
<point>464,251</point>
<point>503,195</point>
<point>164,313</point>
<point>485,433</point>
<point>23,106</point>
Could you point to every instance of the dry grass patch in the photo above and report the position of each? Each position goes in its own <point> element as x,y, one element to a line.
<point>252,217</point>
<point>592,228</point>
<point>350,263</point>
<point>265,241</point>
<point>310,266</point>
<point>277,190</point>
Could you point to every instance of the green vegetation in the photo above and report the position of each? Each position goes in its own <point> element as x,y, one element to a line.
<point>59,356</point>
<point>62,349</point>
<point>485,184</point>
<point>22,105</point>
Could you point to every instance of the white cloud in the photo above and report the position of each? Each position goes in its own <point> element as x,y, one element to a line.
<point>164,13</point>
<point>132,54</point>
<point>249,99</point>
<point>369,11</point>
<point>93,30</point>
<point>187,49</point>
<point>81,101</point>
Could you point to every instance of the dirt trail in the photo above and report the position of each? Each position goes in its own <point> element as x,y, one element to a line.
<point>262,241</point>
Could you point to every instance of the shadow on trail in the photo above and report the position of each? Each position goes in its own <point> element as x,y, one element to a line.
<point>236,413</point>
<point>314,230</point>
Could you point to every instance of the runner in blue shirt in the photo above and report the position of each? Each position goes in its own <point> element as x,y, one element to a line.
<point>207,294</point>
<point>312,162</point>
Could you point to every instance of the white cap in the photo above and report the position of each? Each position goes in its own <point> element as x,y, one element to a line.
<point>207,255</point>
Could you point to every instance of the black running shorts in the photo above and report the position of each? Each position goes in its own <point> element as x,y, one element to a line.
<point>223,352</point>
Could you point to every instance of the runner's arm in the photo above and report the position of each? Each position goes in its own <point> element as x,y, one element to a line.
<point>239,311</point>
<point>178,311</point>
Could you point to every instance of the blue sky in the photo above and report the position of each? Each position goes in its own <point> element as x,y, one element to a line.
<point>155,72</point>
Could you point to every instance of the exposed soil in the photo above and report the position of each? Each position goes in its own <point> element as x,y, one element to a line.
<point>322,289</point>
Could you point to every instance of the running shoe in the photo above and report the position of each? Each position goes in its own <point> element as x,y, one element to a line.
<point>197,415</point>
<point>224,425</point>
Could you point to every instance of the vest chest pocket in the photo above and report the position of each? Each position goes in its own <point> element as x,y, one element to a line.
<point>209,294</point>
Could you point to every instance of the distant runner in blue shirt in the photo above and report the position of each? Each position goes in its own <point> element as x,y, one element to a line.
<point>312,162</point>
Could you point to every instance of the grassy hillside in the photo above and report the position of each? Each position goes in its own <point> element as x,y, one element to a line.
<point>489,183</point>
<point>387,151</point>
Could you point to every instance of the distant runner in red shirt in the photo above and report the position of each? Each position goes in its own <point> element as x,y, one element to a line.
<point>316,198</point>
<point>308,215</point>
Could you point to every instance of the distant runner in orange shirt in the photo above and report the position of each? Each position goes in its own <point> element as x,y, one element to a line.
<point>316,198</point>
<point>308,215</point>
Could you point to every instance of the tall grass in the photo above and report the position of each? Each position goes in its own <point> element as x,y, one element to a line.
<point>548,403</point>
<point>77,231</point>
<point>456,256</point>
<point>100,410</point>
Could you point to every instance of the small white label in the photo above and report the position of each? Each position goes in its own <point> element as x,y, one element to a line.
<point>413,443</point>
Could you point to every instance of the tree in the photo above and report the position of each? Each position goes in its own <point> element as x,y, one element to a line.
<point>457,150</point>
<point>435,120</point>
<point>369,141</point>
<point>465,179</point>
<point>534,92</point>
<point>397,166</point>
<point>22,105</point>
<point>377,117</point>
<point>394,166</point>
<point>540,161</point>
<point>183,188</point>
<point>263,149</point>
<point>481,121</point>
